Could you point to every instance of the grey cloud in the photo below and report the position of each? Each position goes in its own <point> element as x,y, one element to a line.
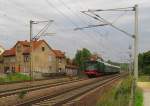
<point>15,16</point>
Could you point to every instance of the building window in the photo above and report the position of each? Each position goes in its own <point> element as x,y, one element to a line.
<point>26,58</point>
<point>43,49</point>
<point>59,70</point>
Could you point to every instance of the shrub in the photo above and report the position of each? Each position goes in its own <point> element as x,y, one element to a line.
<point>13,77</point>
<point>22,94</point>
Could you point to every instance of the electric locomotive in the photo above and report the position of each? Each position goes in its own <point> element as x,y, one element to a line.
<point>99,68</point>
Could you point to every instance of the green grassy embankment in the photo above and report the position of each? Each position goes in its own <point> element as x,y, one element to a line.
<point>139,97</point>
<point>118,95</point>
<point>15,77</point>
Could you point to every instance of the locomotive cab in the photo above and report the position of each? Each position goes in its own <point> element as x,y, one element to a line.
<point>93,68</point>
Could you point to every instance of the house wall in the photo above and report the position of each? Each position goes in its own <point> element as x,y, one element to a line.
<point>9,64</point>
<point>19,58</point>
<point>40,61</point>
<point>61,63</point>
<point>43,61</point>
<point>1,64</point>
<point>52,62</point>
<point>1,67</point>
<point>71,71</point>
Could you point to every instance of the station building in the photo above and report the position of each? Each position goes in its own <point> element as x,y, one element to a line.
<point>44,59</point>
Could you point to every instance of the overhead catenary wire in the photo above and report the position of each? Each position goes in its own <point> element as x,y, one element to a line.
<point>119,17</point>
<point>108,47</point>
<point>74,12</point>
<point>112,21</point>
<point>99,18</point>
<point>85,33</point>
<point>77,15</point>
<point>103,45</point>
<point>65,16</point>
<point>83,4</point>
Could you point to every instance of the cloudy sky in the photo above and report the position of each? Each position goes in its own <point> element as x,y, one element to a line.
<point>110,43</point>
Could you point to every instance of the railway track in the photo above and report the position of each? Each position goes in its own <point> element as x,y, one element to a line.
<point>62,97</point>
<point>35,87</point>
<point>26,84</point>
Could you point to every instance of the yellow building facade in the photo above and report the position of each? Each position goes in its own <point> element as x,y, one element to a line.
<point>44,59</point>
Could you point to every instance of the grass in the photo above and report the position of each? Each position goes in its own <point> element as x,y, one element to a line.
<point>14,77</point>
<point>144,78</point>
<point>138,97</point>
<point>118,95</point>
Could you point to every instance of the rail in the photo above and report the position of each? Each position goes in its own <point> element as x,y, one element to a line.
<point>69,92</point>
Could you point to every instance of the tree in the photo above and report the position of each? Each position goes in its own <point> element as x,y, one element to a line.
<point>81,56</point>
<point>144,62</point>
<point>140,62</point>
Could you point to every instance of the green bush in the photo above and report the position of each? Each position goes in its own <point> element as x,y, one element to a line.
<point>147,69</point>
<point>22,94</point>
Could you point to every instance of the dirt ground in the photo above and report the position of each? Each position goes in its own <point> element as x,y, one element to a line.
<point>146,92</point>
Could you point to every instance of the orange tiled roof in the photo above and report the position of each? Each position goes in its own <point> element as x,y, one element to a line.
<point>59,53</point>
<point>11,52</point>
<point>37,43</point>
<point>26,43</point>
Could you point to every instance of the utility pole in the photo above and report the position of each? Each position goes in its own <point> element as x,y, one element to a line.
<point>30,48</point>
<point>40,33</point>
<point>136,43</point>
<point>94,15</point>
<point>135,78</point>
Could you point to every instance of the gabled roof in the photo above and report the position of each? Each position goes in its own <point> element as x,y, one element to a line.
<point>59,53</point>
<point>35,44</point>
<point>26,45</point>
<point>10,52</point>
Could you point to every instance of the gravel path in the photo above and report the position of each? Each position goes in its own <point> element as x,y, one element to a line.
<point>146,92</point>
<point>147,98</point>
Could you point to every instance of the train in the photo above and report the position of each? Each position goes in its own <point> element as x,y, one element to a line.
<point>98,68</point>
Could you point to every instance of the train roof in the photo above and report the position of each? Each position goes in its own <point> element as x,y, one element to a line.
<point>107,64</point>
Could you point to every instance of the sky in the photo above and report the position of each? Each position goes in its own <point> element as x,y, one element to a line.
<point>106,41</point>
